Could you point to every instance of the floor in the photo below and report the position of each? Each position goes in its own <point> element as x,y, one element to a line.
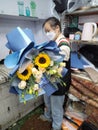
<point>32,122</point>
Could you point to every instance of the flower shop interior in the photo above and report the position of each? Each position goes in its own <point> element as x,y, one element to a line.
<point>79,21</point>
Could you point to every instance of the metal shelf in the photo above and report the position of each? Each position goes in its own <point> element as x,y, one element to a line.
<point>15,17</point>
<point>85,11</point>
<point>84,42</point>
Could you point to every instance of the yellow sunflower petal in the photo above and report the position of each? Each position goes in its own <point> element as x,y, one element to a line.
<point>25,75</point>
<point>42,60</point>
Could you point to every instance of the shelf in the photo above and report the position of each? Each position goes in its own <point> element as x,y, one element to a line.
<point>85,11</point>
<point>84,42</point>
<point>15,17</point>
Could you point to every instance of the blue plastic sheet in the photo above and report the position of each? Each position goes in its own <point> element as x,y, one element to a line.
<point>77,61</point>
<point>22,43</point>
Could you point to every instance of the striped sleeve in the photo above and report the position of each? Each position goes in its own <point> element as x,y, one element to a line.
<point>64,48</point>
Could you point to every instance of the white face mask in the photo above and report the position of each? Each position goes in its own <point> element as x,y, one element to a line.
<point>51,35</point>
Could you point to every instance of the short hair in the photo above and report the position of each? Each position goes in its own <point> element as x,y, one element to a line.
<point>53,22</point>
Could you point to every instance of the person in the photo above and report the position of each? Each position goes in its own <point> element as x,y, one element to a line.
<point>54,103</point>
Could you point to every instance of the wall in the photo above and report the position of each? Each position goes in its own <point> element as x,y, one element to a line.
<point>11,7</point>
<point>11,109</point>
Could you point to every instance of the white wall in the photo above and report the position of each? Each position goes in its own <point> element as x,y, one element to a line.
<point>43,7</point>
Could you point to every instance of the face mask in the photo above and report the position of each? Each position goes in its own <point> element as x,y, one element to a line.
<point>51,35</point>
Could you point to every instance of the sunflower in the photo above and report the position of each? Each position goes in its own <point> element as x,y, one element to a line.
<point>24,75</point>
<point>42,60</point>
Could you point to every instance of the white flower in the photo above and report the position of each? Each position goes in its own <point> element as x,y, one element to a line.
<point>34,70</point>
<point>42,69</point>
<point>51,63</point>
<point>22,84</point>
<point>38,74</point>
<point>55,67</point>
<point>36,87</point>
<point>37,80</point>
<point>62,64</point>
<point>60,69</point>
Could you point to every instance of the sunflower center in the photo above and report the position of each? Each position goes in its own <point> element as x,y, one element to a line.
<point>25,72</point>
<point>42,60</point>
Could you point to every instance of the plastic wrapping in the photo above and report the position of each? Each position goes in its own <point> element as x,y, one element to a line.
<point>76,109</point>
<point>76,4</point>
<point>94,3</point>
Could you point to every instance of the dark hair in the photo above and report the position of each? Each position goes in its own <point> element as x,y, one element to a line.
<point>53,22</point>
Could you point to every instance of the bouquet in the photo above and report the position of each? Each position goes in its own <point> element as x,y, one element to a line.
<point>36,69</point>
